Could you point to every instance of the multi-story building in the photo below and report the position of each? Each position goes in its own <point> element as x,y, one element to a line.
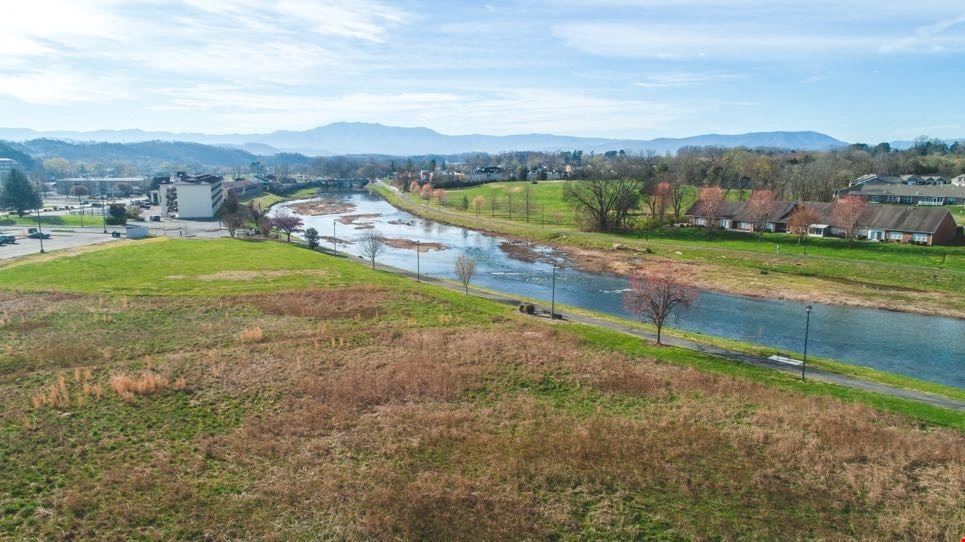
<point>192,196</point>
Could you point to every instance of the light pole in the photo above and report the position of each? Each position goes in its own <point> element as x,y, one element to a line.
<point>553,296</point>
<point>807,328</point>
<point>334,242</point>
<point>104,214</point>
<point>40,231</point>
<point>418,249</point>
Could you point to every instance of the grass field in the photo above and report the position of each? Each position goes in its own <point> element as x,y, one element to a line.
<point>877,274</point>
<point>225,389</point>
<point>266,200</point>
<point>52,220</point>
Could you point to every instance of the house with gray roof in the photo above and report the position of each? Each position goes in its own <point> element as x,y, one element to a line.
<point>906,194</point>
<point>894,223</point>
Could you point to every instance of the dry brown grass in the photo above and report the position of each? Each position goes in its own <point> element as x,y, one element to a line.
<point>351,302</point>
<point>60,394</point>
<point>252,334</point>
<point>382,429</point>
<point>128,387</point>
<point>747,459</point>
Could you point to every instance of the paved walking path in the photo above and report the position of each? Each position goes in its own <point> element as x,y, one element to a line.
<point>812,373</point>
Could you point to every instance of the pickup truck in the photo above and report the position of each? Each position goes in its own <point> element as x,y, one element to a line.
<point>38,235</point>
<point>7,240</point>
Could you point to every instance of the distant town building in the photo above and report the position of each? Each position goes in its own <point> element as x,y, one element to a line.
<point>902,224</point>
<point>192,196</point>
<point>907,189</point>
<point>101,186</point>
<point>244,188</point>
<point>489,173</point>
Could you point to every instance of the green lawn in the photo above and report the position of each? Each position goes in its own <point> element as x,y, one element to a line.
<point>53,220</point>
<point>267,199</point>
<point>296,395</point>
<point>169,267</point>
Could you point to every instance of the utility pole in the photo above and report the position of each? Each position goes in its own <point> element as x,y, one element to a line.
<point>418,272</point>
<point>334,242</point>
<point>553,296</point>
<point>40,230</point>
<point>807,328</point>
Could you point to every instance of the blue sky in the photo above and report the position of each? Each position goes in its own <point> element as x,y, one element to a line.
<point>869,71</point>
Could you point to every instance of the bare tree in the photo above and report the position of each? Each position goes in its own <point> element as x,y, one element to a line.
<point>232,214</point>
<point>657,293</point>
<point>414,187</point>
<point>605,205</point>
<point>372,244</point>
<point>465,269</point>
<point>659,201</point>
<point>477,203</point>
<point>800,221</point>
<point>762,206</point>
<point>287,223</point>
<point>711,200</point>
<point>846,213</point>
<point>442,199</point>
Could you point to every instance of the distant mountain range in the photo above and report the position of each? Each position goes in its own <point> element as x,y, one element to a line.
<point>367,138</point>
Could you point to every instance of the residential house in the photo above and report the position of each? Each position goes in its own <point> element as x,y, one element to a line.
<point>906,194</point>
<point>489,173</point>
<point>903,224</point>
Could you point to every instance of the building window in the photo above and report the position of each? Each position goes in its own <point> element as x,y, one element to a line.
<point>894,235</point>
<point>919,238</point>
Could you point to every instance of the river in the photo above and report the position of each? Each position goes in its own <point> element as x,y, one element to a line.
<point>925,347</point>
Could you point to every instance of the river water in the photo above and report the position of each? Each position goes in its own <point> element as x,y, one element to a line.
<point>925,347</point>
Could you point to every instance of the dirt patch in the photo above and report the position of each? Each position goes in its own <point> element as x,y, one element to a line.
<point>322,207</point>
<point>253,275</point>
<point>409,244</point>
<point>525,252</point>
<point>352,220</point>
<point>360,302</point>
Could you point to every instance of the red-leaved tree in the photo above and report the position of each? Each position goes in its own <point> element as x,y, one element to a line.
<point>762,206</point>
<point>711,200</point>
<point>658,292</point>
<point>287,223</point>
<point>846,213</point>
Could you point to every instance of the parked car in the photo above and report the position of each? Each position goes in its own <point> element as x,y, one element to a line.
<point>155,218</point>
<point>7,240</point>
<point>38,235</point>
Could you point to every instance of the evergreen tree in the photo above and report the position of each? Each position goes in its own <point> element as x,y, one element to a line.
<point>18,194</point>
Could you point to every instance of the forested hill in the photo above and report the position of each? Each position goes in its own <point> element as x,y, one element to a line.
<point>16,151</point>
<point>145,154</point>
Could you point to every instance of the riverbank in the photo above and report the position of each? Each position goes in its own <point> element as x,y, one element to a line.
<point>795,277</point>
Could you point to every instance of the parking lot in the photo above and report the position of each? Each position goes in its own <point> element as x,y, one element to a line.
<point>58,240</point>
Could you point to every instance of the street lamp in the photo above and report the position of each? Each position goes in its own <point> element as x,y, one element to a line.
<point>334,242</point>
<point>104,214</point>
<point>418,249</point>
<point>40,231</point>
<point>553,296</point>
<point>807,328</point>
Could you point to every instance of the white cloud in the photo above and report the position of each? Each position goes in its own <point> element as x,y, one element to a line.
<point>62,87</point>
<point>683,79</point>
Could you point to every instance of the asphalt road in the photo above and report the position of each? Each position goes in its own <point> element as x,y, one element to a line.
<point>58,240</point>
